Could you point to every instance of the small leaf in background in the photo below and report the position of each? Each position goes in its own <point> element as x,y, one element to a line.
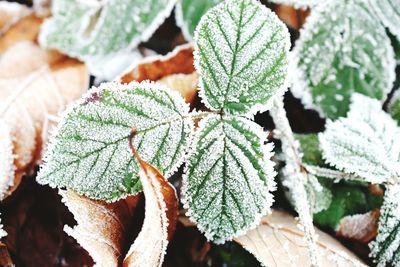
<point>319,196</point>
<point>241,50</point>
<point>364,143</point>
<point>385,249</point>
<point>102,228</point>
<point>342,49</point>
<point>89,153</point>
<point>95,28</point>
<point>278,241</point>
<point>309,145</point>
<point>228,177</point>
<point>298,3</point>
<point>394,106</point>
<point>161,217</point>
<point>389,12</point>
<point>189,13</point>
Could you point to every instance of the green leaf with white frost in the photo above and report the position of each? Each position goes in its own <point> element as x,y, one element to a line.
<point>385,249</point>
<point>394,106</point>
<point>90,152</point>
<point>228,177</point>
<point>189,13</point>
<point>299,3</point>
<point>389,13</point>
<point>241,50</point>
<point>365,143</point>
<point>98,28</point>
<point>342,49</point>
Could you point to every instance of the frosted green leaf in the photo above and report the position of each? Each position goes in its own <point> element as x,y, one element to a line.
<point>228,177</point>
<point>394,106</point>
<point>389,12</point>
<point>299,3</point>
<point>83,28</point>
<point>342,49</point>
<point>365,143</point>
<point>385,249</point>
<point>241,54</point>
<point>319,197</point>
<point>90,152</point>
<point>189,13</point>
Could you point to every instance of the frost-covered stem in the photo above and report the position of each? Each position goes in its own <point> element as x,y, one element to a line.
<point>201,114</point>
<point>332,174</point>
<point>295,176</point>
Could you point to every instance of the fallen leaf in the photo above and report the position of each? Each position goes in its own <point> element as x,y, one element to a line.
<point>11,13</point>
<point>278,241</point>
<point>292,17</point>
<point>361,227</point>
<point>102,228</point>
<point>7,169</point>
<point>174,69</point>
<point>34,84</point>
<point>161,216</point>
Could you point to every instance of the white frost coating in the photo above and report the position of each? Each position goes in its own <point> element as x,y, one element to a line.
<point>299,3</point>
<point>92,28</point>
<point>294,178</point>
<point>7,167</point>
<point>319,197</point>
<point>240,54</point>
<point>342,49</point>
<point>228,177</point>
<point>365,143</point>
<point>2,232</point>
<point>385,248</point>
<point>389,12</point>
<point>89,152</point>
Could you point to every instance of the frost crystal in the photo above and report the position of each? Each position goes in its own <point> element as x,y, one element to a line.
<point>365,143</point>
<point>83,28</point>
<point>228,177</point>
<point>189,13</point>
<point>90,152</point>
<point>342,49</point>
<point>299,3</point>
<point>2,232</point>
<point>386,248</point>
<point>389,12</point>
<point>241,55</point>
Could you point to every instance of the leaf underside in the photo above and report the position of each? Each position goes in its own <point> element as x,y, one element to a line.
<point>342,49</point>
<point>389,12</point>
<point>228,177</point>
<point>364,143</point>
<point>89,28</point>
<point>241,55</point>
<point>90,153</point>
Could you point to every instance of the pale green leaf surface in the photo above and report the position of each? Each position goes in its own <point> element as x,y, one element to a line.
<point>94,28</point>
<point>389,12</point>
<point>241,55</point>
<point>365,143</point>
<point>385,249</point>
<point>228,177</point>
<point>90,152</point>
<point>342,49</point>
<point>189,13</point>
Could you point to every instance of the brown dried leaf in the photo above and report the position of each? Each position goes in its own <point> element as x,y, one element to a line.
<point>34,84</point>
<point>161,215</point>
<point>11,13</point>
<point>278,242</point>
<point>102,228</point>
<point>292,17</point>
<point>173,65</point>
<point>361,227</point>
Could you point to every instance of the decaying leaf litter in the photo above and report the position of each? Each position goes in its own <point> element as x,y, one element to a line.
<point>170,72</point>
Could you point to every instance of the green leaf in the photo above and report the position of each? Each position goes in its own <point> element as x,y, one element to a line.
<point>342,49</point>
<point>385,249</point>
<point>309,145</point>
<point>394,107</point>
<point>228,177</point>
<point>365,143</point>
<point>90,152</point>
<point>98,28</point>
<point>389,12</point>
<point>241,50</point>
<point>189,13</point>
<point>298,3</point>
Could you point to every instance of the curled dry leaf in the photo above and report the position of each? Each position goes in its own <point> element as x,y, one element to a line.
<point>34,84</point>
<point>278,242</point>
<point>361,227</point>
<point>161,216</point>
<point>175,69</point>
<point>11,13</point>
<point>292,17</point>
